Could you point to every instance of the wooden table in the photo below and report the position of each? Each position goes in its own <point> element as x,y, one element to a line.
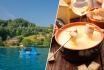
<point>61,64</point>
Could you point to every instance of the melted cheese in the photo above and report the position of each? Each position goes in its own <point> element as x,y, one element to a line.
<point>82,41</point>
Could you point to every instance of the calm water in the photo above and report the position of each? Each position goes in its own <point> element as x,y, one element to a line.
<point>11,60</point>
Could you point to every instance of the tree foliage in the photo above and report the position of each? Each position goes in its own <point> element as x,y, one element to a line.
<point>22,28</point>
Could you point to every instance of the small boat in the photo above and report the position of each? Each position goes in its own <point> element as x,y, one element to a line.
<point>28,51</point>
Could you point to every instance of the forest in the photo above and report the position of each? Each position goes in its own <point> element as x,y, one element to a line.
<point>20,32</point>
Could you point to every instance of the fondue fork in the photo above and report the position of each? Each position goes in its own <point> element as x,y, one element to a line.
<point>72,36</point>
<point>59,48</point>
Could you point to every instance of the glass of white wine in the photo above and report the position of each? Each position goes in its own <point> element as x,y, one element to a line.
<point>80,7</point>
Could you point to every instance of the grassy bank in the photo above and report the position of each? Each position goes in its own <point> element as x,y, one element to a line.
<point>19,32</point>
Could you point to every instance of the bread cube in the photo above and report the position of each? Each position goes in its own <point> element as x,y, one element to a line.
<point>50,57</point>
<point>82,67</point>
<point>93,66</point>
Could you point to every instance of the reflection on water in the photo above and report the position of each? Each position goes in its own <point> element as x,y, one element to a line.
<point>11,60</point>
<point>27,56</point>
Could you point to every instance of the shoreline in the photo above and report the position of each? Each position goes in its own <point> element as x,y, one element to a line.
<point>19,47</point>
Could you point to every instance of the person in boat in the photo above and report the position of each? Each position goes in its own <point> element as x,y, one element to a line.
<point>28,49</point>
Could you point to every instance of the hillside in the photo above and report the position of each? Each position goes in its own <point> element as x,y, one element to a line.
<point>19,31</point>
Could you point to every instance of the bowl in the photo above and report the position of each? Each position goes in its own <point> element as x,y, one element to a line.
<point>96,16</point>
<point>79,53</point>
<point>63,34</point>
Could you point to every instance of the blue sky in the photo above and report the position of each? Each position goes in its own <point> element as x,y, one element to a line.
<point>41,12</point>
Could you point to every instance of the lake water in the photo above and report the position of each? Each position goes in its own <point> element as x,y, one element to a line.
<point>10,59</point>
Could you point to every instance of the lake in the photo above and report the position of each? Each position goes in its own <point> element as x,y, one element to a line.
<point>10,59</point>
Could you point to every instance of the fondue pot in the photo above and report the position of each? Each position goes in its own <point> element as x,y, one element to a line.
<point>75,53</point>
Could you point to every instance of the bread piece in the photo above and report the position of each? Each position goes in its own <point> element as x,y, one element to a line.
<point>51,57</point>
<point>73,34</point>
<point>82,67</point>
<point>98,14</point>
<point>89,30</point>
<point>93,66</point>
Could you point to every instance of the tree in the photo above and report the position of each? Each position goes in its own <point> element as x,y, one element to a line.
<point>1,42</point>
<point>20,27</point>
<point>26,42</point>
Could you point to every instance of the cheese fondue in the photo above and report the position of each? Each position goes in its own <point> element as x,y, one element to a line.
<point>82,41</point>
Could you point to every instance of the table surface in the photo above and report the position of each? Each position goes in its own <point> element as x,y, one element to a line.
<point>60,63</point>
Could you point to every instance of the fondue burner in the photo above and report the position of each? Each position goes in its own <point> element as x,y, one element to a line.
<point>80,56</point>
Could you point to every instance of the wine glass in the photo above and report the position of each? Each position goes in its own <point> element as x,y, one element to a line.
<point>80,7</point>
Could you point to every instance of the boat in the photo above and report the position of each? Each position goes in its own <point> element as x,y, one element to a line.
<point>28,51</point>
